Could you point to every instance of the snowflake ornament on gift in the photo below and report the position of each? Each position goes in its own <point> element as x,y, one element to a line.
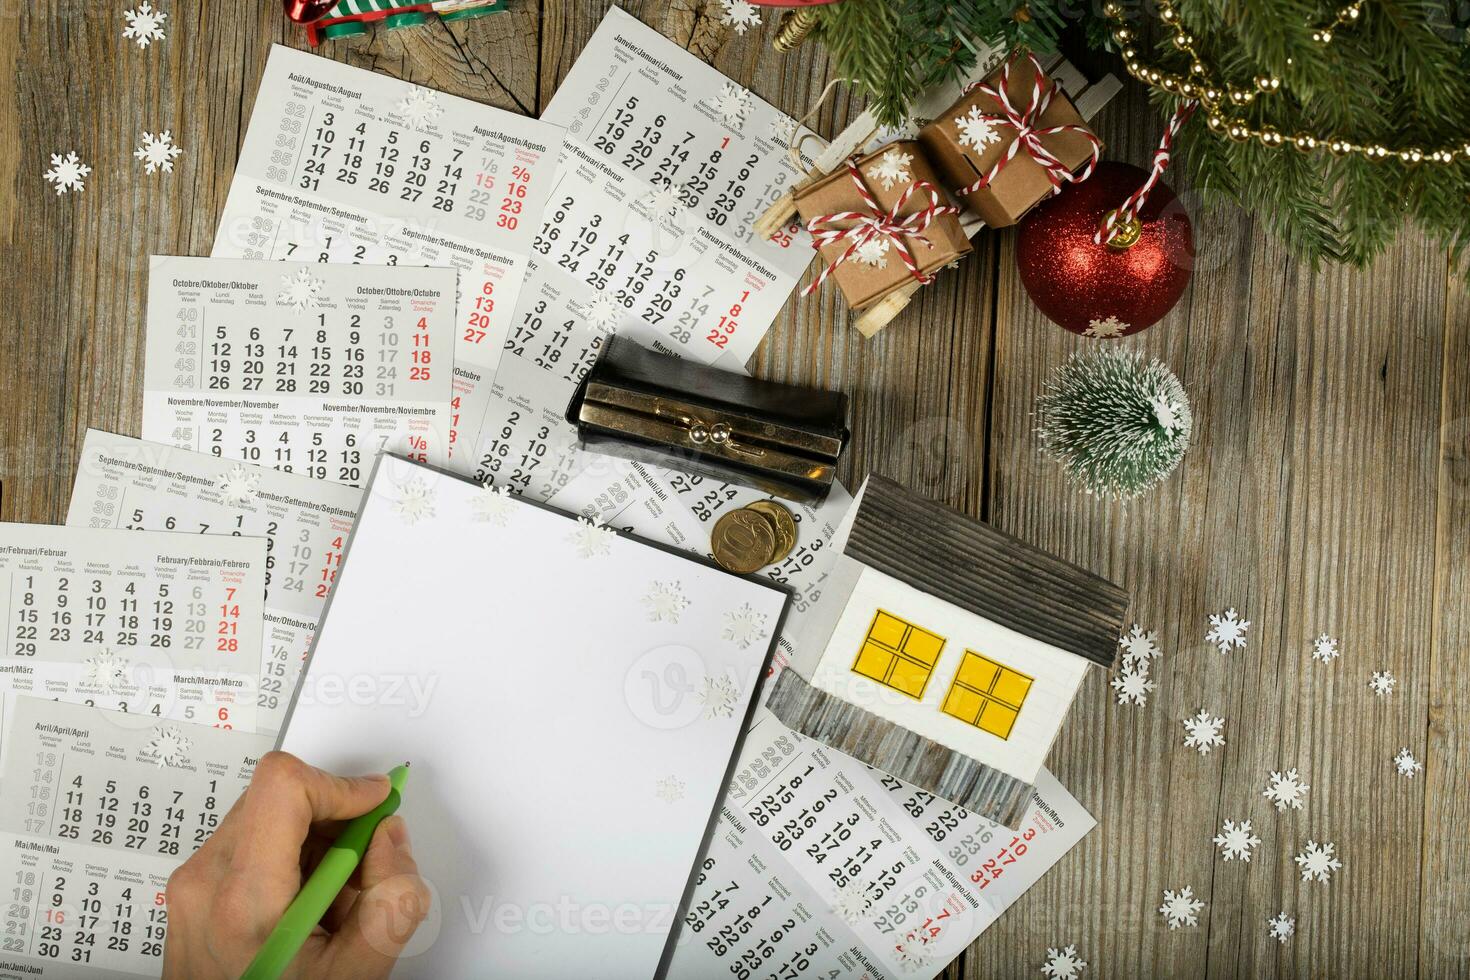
<point>670,789</point>
<point>740,14</point>
<point>892,168</point>
<point>1405,763</point>
<point>1281,928</point>
<point>1382,683</point>
<point>1235,840</point>
<point>1105,329</point>
<point>415,502</point>
<point>106,671</point>
<point>743,626</point>
<point>665,601</point>
<point>145,25</point>
<point>1181,909</point>
<point>299,291</point>
<point>240,486</point>
<point>67,173</point>
<point>1286,790</point>
<point>157,152</point>
<point>1227,630</point>
<point>592,540</point>
<point>977,130</point>
<point>1132,686</point>
<point>873,252</point>
<point>1063,964</point>
<point>492,505</point>
<point>1318,862</point>
<point>1324,648</point>
<point>603,313</point>
<point>1203,732</point>
<point>1139,648</point>
<point>169,747</point>
<point>733,104</point>
<point>851,904</point>
<point>719,695</point>
<point>420,106</point>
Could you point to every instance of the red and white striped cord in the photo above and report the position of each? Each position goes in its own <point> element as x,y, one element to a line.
<point>875,223</point>
<point>1028,137</point>
<point>1127,213</point>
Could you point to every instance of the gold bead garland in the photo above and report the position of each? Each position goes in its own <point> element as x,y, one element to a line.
<point>1201,86</point>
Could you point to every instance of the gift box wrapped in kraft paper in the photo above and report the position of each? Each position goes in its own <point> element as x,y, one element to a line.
<point>880,222</point>
<point>1010,142</point>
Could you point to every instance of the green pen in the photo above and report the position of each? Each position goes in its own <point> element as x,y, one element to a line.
<point>321,889</point>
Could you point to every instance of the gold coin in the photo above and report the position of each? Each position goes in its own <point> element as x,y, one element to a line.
<point>783,522</point>
<point>742,541</point>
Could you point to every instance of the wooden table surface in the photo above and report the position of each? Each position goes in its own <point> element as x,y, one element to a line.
<point>1328,488</point>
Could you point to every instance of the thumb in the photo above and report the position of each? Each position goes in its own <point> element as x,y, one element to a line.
<point>390,906</point>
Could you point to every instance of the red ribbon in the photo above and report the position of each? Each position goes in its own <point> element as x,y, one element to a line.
<point>876,223</point>
<point>1127,213</point>
<point>1028,137</point>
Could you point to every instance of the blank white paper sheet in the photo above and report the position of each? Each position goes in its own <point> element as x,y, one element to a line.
<point>570,701</point>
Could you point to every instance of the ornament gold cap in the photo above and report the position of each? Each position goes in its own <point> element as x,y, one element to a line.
<point>1125,234</point>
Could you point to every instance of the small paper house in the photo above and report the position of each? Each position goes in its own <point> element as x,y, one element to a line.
<point>946,652</point>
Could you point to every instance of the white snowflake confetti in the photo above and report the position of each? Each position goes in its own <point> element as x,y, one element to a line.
<point>1317,862</point>
<point>1138,648</point>
<point>664,201</point>
<point>416,502</point>
<point>916,954</point>
<point>1063,964</point>
<point>1180,909</point>
<point>420,106</point>
<point>1281,928</point>
<point>1132,687</point>
<point>665,601</point>
<point>603,312</point>
<point>1104,329</point>
<point>157,152</point>
<point>1286,791</point>
<point>492,505</point>
<point>1235,840</point>
<point>240,486</point>
<point>68,173</point>
<point>1382,683</point>
<point>592,539</point>
<point>719,695</point>
<point>1202,732</point>
<point>169,746</point>
<point>740,14</point>
<point>744,625</point>
<point>1168,412</point>
<point>107,671</point>
<point>873,252</point>
<point>851,904</point>
<point>977,130</point>
<point>670,789</point>
<point>1324,648</point>
<point>1406,764</point>
<point>892,167</point>
<point>299,291</point>
<point>145,25</point>
<point>733,104</point>
<point>782,129</point>
<point>1227,630</point>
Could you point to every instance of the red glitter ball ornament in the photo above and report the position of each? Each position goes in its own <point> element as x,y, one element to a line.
<point>1106,290</point>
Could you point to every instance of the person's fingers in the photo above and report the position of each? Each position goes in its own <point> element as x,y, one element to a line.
<point>284,798</point>
<point>392,903</point>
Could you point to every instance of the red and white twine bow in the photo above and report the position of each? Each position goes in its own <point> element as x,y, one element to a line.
<point>1127,213</point>
<point>875,223</point>
<point>1028,137</point>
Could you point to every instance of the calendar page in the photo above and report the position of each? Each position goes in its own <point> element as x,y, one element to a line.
<point>122,781</point>
<point>129,483</point>
<point>77,910</point>
<point>647,232</point>
<point>824,867</point>
<point>680,509</point>
<point>141,621</point>
<point>346,165</point>
<point>310,369</point>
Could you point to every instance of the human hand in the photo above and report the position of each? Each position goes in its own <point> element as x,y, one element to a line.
<point>225,900</point>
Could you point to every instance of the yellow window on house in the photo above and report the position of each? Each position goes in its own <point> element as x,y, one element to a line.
<point>987,694</point>
<point>898,654</point>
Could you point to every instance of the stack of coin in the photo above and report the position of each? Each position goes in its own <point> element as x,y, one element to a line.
<point>753,537</point>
